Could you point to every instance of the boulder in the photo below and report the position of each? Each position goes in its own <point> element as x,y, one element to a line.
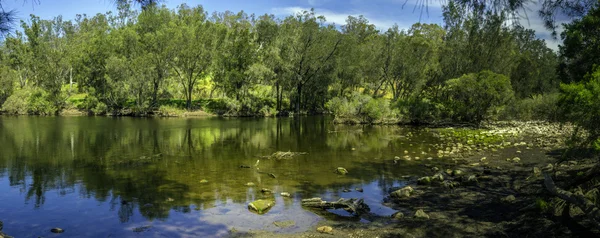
<point>261,206</point>
<point>536,171</point>
<point>508,199</point>
<point>341,170</point>
<point>325,229</point>
<point>403,192</point>
<point>424,180</point>
<point>398,215</point>
<point>438,178</point>
<point>420,214</point>
<point>457,173</point>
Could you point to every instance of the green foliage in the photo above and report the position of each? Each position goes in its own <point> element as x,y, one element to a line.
<point>30,101</point>
<point>542,205</point>
<point>537,107</point>
<point>581,42</point>
<point>170,111</point>
<point>473,97</point>
<point>360,108</point>
<point>420,110</point>
<point>579,103</point>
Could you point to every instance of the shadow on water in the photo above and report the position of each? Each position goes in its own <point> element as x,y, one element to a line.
<point>182,176</point>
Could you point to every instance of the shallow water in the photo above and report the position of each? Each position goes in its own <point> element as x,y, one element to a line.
<point>105,177</point>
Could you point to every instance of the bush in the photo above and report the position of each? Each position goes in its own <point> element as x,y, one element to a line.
<point>579,103</point>
<point>420,110</point>
<point>473,97</point>
<point>360,109</point>
<point>170,111</point>
<point>538,107</point>
<point>30,101</point>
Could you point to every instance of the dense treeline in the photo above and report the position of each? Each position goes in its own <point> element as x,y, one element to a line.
<point>477,66</point>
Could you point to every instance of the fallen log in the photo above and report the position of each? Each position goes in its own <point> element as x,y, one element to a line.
<point>353,205</point>
<point>587,206</point>
<point>279,155</point>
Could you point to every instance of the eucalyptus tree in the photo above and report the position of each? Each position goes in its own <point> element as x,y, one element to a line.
<point>313,46</point>
<point>154,25</point>
<point>193,43</point>
<point>235,55</point>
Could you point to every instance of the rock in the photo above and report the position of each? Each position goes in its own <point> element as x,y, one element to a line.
<point>141,229</point>
<point>284,194</point>
<point>346,190</point>
<point>250,184</point>
<point>284,224</point>
<point>359,190</point>
<point>516,160</point>
<point>261,206</point>
<point>450,184</point>
<point>265,190</point>
<point>439,177</point>
<point>203,181</point>
<point>424,180</point>
<point>483,159</point>
<point>435,169</point>
<point>471,180</point>
<point>341,171</point>
<point>508,199</point>
<point>398,215</point>
<point>448,171</point>
<point>170,200</point>
<point>245,166</point>
<point>420,214</point>
<point>474,164</point>
<point>549,168</point>
<point>457,173</point>
<point>272,175</point>
<point>353,148</point>
<point>325,229</point>
<point>403,192</point>
<point>57,230</point>
<point>536,171</point>
<point>572,162</point>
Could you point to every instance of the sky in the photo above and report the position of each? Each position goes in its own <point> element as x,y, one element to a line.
<point>382,13</point>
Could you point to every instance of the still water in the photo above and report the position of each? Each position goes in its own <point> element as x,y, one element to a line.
<point>122,177</point>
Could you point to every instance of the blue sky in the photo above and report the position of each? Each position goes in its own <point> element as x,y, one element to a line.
<point>382,13</point>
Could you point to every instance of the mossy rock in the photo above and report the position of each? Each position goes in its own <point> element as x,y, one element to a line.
<point>341,170</point>
<point>424,180</point>
<point>261,206</point>
<point>420,214</point>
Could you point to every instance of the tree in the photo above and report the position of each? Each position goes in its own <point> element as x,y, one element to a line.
<point>193,44</point>
<point>581,46</point>
<point>312,48</point>
<point>472,97</point>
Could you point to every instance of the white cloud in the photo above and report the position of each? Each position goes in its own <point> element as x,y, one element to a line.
<point>339,19</point>
<point>530,19</point>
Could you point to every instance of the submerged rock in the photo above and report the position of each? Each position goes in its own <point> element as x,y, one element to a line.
<point>261,206</point>
<point>284,194</point>
<point>57,230</point>
<point>284,224</point>
<point>359,190</point>
<point>420,214</point>
<point>472,180</point>
<point>250,184</point>
<point>203,181</point>
<point>325,229</point>
<point>341,170</point>
<point>516,160</point>
<point>265,190</point>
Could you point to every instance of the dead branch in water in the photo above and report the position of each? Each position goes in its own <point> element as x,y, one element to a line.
<point>353,205</point>
<point>588,207</point>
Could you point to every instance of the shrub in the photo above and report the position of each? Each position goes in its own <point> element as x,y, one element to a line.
<point>30,101</point>
<point>420,110</point>
<point>538,107</point>
<point>473,97</point>
<point>170,111</point>
<point>376,110</point>
<point>360,108</point>
<point>579,103</point>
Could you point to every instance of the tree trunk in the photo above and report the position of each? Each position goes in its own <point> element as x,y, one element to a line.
<point>298,97</point>
<point>189,95</point>
<point>277,96</point>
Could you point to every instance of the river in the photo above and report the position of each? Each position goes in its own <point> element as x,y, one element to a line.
<point>172,177</point>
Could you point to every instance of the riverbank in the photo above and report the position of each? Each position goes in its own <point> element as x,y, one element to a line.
<point>494,188</point>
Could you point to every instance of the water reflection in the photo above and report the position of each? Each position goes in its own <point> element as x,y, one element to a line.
<point>128,170</point>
